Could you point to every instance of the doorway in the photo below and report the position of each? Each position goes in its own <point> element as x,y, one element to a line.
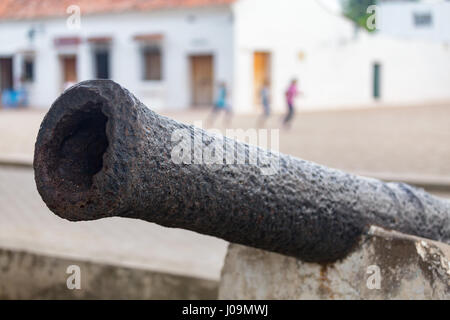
<point>261,75</point>
<point>69,70</point>
<point>101,60</point>
<point>6,74</point>
<point>202,81</point>
<point>376,81</point>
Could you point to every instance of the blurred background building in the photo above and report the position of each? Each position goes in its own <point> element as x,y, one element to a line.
<point>416,20</point>
<point>173,53</point>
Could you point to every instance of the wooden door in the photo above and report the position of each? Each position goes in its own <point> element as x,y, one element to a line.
<point>69,69</point>
<point>6,74</point>
<point>202,80</point>
<point>261,74</point>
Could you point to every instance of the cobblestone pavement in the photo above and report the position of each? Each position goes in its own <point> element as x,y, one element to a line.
<point>398,140</point>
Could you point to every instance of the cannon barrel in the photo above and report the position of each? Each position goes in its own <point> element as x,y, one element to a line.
<point>100,153</point>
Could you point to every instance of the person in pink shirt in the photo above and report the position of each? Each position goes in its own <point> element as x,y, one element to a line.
<point>291,93</point>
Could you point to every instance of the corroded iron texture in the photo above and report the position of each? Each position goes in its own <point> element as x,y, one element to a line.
<point>100,153</point>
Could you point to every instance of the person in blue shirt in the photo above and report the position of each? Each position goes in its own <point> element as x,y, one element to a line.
<point>221,104</point>
<point>265,100</point>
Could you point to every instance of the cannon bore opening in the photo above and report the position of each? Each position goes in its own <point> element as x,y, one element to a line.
<point>78,155</point>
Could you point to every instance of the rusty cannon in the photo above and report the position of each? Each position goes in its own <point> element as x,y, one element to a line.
<point>101,153</point>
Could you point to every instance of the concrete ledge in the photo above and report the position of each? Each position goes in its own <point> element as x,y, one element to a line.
<point>427,182</point>
<point>25,275</point>
<point>22,161</point>
<point>385,265</point>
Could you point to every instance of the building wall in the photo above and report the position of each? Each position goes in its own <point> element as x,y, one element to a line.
<point>186,32</point>
<point>332,60</point>
<point>300,29</point>
<point>397,19</point>
<point>412,72</point>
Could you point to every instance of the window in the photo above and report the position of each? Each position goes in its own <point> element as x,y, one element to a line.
<point>152,63</point>
<point>423,19</point>
<point>101,57</point>
<point>28,70</point>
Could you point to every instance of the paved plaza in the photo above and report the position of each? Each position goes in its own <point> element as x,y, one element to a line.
<point>397,140</point>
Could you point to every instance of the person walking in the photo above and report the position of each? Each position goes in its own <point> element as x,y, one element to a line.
<point>291,93</point>
<point>265,100</point>
<point>221,104</point>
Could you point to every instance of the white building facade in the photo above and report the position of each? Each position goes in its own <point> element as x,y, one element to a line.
<point>114,45</point>
<point>173,58</point>
<point>416,20</point>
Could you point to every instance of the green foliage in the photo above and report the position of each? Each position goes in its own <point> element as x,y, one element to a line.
<point>356,10</point>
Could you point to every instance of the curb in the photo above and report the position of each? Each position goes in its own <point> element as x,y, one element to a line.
<point>427,182</point>
<point>23,163</point>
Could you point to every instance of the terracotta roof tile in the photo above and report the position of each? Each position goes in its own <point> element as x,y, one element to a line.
<point>28,9</point>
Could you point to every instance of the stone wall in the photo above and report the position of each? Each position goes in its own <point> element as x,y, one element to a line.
<point>385,265</point>
<point>25,275</point>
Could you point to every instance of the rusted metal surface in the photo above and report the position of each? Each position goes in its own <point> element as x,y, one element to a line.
<point>100,153</point>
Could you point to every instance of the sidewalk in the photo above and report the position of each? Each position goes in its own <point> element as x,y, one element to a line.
<point>26,224</point>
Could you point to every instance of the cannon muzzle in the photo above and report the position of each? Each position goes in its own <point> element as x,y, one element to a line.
<point>101,153</point>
